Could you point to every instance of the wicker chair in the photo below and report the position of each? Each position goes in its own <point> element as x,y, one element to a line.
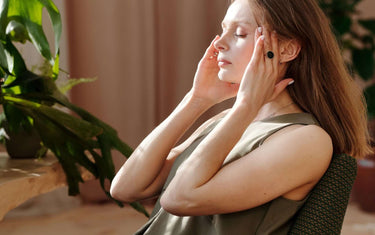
<point>324,211</point>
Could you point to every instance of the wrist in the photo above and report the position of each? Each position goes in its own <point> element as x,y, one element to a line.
<point>244,109</point>
<point>198,102</point>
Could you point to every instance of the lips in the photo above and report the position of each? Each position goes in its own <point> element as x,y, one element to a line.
<point>223,62</point>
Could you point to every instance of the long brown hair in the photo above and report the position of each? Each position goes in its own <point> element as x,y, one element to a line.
<point>323,86</point>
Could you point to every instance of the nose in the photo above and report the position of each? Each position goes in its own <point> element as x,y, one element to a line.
<point>220,44</point>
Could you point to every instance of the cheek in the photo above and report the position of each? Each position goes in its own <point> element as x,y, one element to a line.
<point>243,59</point>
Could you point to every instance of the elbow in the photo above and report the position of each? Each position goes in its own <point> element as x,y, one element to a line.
<point>116,193</point>
<point>178,204</point>
<point>173,206</point>
<point>119,194</point>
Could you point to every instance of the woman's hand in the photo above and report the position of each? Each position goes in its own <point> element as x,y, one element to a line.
<point>262,80</point>
<point>207,86</point>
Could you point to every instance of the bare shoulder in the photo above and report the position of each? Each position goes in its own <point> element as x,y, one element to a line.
<point>308,137</point>
<point>314,139</point>
<point>309,144</point>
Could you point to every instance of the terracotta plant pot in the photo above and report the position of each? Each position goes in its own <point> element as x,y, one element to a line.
<point>364,185</point>
<point>22,144</point>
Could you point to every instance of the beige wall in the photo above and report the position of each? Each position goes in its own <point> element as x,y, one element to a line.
<point>144,54</point>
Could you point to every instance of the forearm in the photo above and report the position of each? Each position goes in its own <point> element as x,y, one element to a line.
<point>208,157</point>
<point>148,159</point>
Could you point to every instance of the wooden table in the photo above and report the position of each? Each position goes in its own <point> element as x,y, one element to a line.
<point>22,179</point>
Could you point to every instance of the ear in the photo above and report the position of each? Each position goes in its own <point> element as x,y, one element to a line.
<point>289,50</point>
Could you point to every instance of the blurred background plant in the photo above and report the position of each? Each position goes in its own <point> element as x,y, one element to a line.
<point>32,102</point>
<point>356,36</point>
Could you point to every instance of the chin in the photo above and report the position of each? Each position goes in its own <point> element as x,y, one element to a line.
<point>225,76</point>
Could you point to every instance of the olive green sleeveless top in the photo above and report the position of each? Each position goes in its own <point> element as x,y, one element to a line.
<point>274,217</point>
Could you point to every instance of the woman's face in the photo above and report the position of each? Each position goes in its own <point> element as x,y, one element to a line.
<point>236,43</point>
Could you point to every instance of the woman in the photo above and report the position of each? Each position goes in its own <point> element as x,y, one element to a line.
<point>249,169</point>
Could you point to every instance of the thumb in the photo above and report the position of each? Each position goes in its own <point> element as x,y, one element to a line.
<point>281,86</point>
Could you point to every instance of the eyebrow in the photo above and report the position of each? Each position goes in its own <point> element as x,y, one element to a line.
<point>223,24</point>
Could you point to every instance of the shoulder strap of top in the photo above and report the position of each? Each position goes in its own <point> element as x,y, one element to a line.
<point>295,118</point>
<point>259,131</point>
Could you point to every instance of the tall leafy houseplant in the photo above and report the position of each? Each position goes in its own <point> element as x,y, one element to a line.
<point>31,100</point>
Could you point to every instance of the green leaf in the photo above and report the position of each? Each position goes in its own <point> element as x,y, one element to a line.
<point>56,21</point>
<point>84,161</point>
<point>17,32</point>
<point>138,206</point>
<point>15,118</point>
<point>108,130</point>
<point>370,100</point>
<point>29,13</point>
<point>16,64</point>
<point>3,59</point>
<point>29,84</point>
<point>368,24</point>
<point>79,127</point>
<point>25,79</point>
<point>363,61</point>
<point>56,65</point>
<point>368,41</point>
<point>341,24</point>
<point>65,144</point>
<point>3,18</point>
<point>105,147</point>
<point>73,82</point>
<point>125,149</point>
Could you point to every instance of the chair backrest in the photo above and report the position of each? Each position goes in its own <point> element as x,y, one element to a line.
<point>324,210</point>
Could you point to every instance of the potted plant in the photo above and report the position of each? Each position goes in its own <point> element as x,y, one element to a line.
<point>32,101</point>
<point>356,36</point>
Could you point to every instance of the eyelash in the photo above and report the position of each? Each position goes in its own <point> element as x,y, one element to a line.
<point>240,35</point>
<point>236,34</point>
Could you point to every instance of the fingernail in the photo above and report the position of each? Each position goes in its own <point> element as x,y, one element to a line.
<point>291,82</point>
<point>260,29</point>
<point>262,37</point>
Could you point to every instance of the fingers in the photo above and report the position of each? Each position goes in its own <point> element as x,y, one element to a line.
<point>266,42</point>
<point>271,46</point>
<point>268,47</point>
<point>258,49</point>
<point>281,86</point>
<point>275,50</point>
<point>258,33</point>
<point>211,52</point>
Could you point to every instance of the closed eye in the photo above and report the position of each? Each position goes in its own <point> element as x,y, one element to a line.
<point>240,35</point>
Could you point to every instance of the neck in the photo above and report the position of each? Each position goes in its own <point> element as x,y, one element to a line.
<point>283,104</point>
